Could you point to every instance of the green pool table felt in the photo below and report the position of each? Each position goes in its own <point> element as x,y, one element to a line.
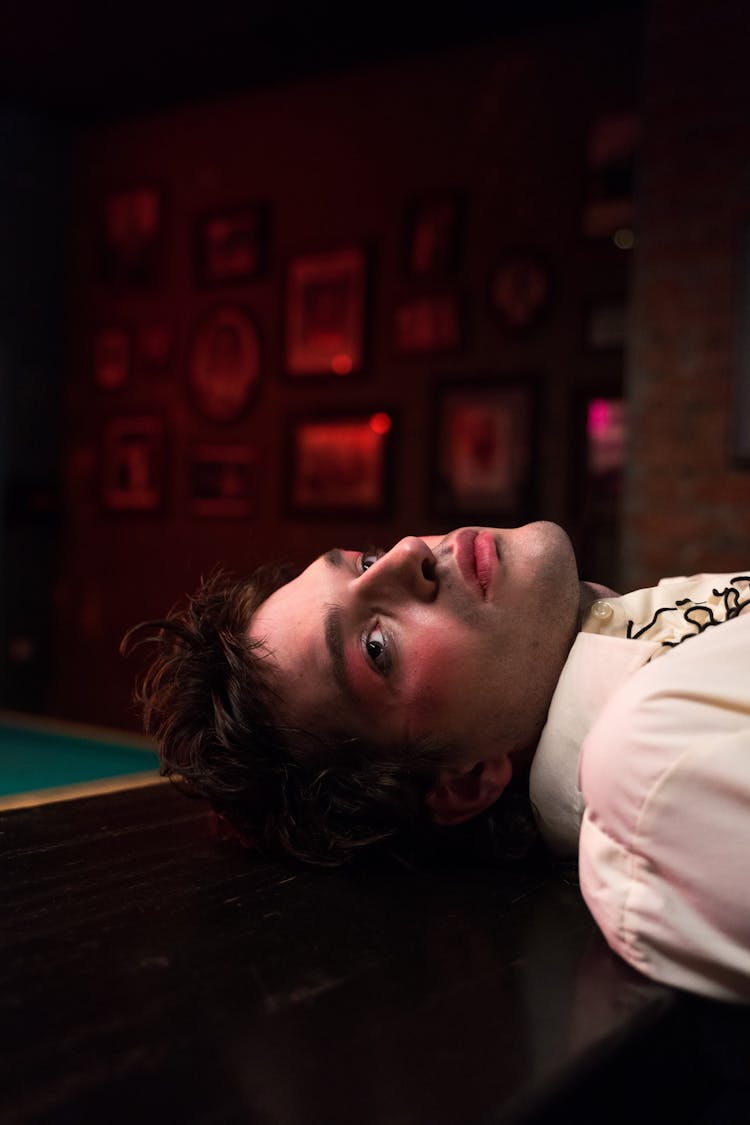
<point>35,759</point>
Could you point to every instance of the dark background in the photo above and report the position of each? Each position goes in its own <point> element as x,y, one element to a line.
<point>93,62</point>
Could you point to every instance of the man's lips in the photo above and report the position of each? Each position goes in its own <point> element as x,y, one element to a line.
<point>476,558</point>
<point>485,559</point>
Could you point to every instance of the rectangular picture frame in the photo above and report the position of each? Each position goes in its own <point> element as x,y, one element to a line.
<point>428,324</point>
<point>231,246</point>
<point>484,444</point>
<point>223,480</point>
<point>339,464</point>
<point>609,178</point>
<point>133,463</point>
<point>433,234</point>
<point>131,237</point>
<point>325,313</point>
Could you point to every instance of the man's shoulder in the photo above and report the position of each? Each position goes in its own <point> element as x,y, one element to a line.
<point>699,688</point>
<point>665,775</point>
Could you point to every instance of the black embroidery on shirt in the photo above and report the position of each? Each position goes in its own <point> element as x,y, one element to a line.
<point>664,609</point>
<point>698,614</point>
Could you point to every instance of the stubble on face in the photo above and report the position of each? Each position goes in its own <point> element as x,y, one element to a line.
<point>544,611</point>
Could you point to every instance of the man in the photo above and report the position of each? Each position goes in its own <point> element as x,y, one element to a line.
<point>375,693</point>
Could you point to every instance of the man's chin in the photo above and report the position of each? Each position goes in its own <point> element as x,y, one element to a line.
<point>551,540</point>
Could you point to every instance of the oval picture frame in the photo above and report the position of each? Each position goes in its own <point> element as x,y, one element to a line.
<point>224,368</point>
<point>520,290</point>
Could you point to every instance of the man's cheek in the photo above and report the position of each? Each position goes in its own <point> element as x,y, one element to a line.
<point>430,700</point>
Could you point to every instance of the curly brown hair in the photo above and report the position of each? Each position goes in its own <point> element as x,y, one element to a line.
<point>212,701</point>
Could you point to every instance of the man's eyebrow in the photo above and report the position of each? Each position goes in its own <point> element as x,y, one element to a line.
<point>334,557</point>
<point>334,636</point>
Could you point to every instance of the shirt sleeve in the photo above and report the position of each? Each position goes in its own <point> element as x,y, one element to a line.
<point>664,850</point>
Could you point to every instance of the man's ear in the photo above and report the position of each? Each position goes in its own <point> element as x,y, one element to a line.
<point>457,795</point>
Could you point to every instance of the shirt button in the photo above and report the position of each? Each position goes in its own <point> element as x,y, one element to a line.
<point>602,610</point>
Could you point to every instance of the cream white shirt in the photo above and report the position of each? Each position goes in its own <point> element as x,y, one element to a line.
<point>644,767</point>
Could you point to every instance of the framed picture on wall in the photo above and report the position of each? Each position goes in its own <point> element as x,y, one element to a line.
<point>427,324</point>
<point>598,427</point>
<point>112,357</point>
<point>434,233</point>
<point>131,226</point>
<point>609,181</point>
<point>325,313</point>
<point>223,480</point>
<point>520,290</point>
<point>483,449</point>
<point>232,246</point>
<point>339,464</point>
<point>224,368</point>
<point>133,463</point>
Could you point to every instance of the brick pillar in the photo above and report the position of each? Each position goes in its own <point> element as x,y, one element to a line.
<point>686,506</point>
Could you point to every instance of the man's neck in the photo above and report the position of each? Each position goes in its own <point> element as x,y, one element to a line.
<point>590,592</point>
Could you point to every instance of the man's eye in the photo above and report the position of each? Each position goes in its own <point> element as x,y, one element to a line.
<point>368,558</point>
<point>376,647</point>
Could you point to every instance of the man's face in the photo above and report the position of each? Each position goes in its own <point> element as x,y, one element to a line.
<point>460,637</point>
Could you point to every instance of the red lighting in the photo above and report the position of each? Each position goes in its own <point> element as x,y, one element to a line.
<point>341,364</point>
<point>380,423</point>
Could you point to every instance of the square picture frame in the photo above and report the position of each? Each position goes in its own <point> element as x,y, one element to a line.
<point>484,438</point>
<point>231,246</point>
<point>325,313</point>
<point>433,234</point>
<point>133,463</point>
<point>223,480</point>
<point>339,464</point>
<point>131,224</point>
<point>428,324</point>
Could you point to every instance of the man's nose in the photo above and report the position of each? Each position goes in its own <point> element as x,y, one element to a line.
<point>408,568</point>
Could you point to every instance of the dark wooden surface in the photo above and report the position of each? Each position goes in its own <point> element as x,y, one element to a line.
<point>151,973</point>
